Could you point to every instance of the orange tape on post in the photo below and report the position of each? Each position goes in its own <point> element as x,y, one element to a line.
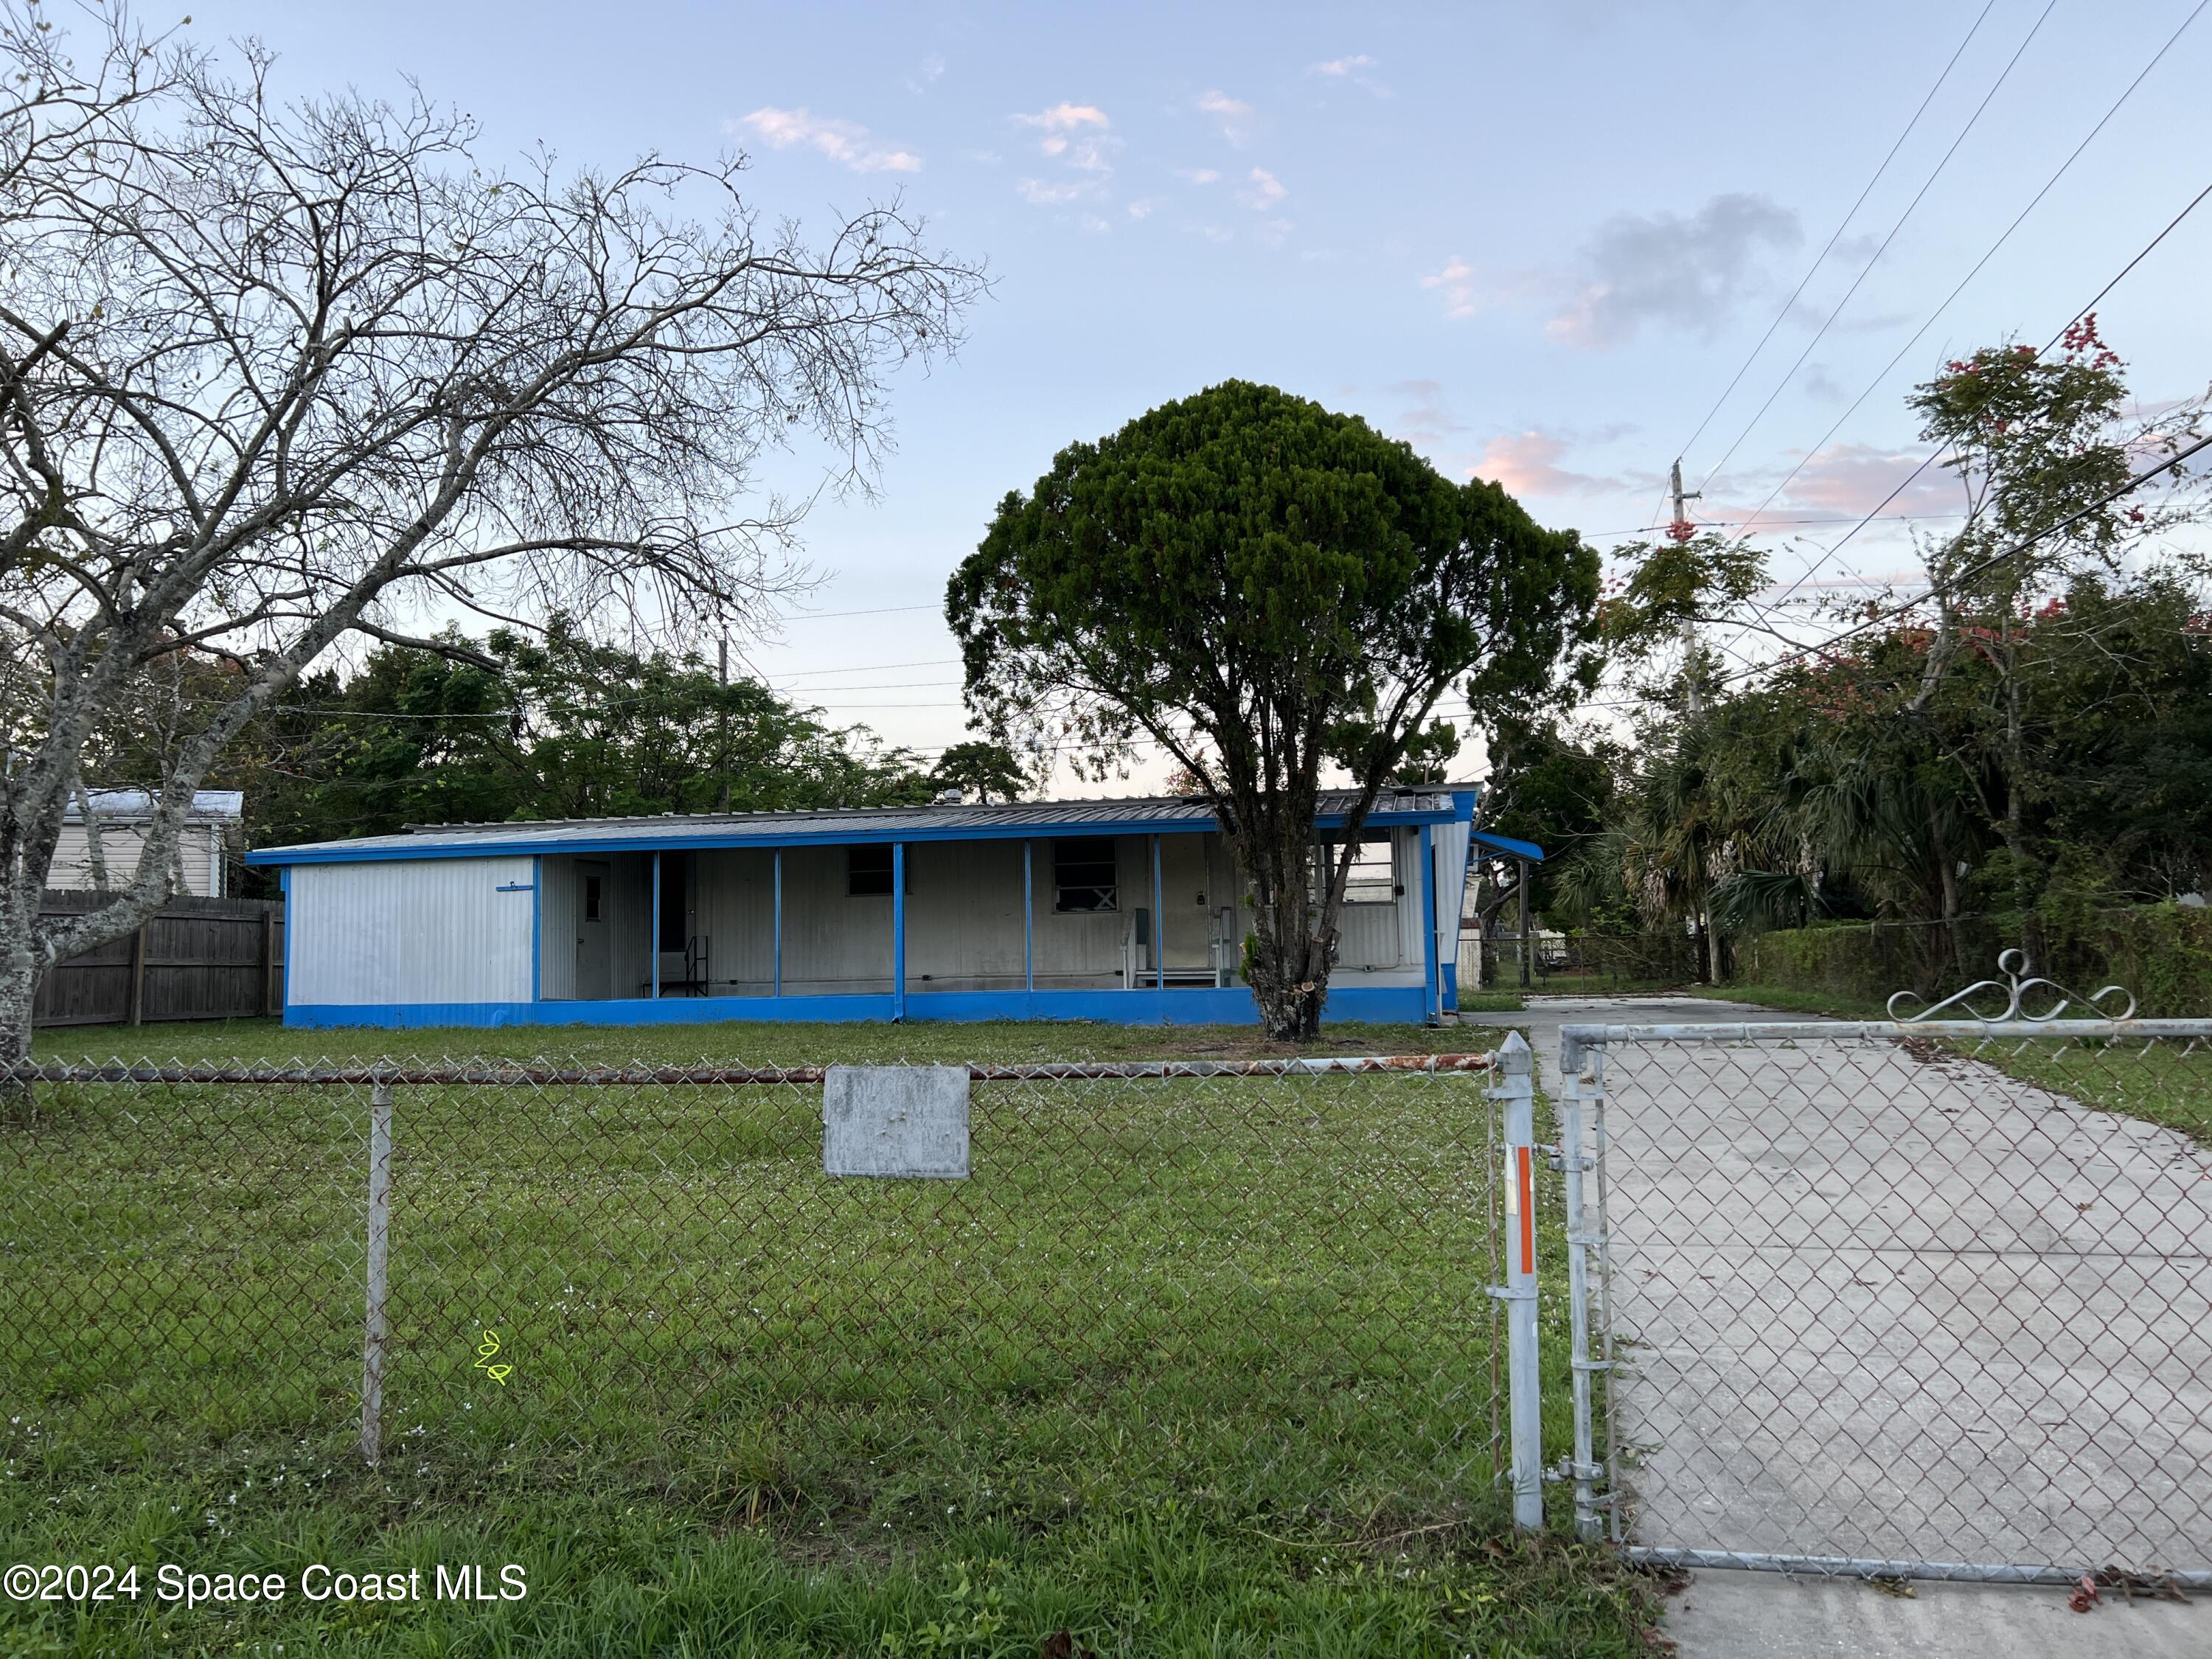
<point>1527,1210</point>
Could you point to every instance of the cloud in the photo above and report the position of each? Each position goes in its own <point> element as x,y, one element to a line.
<point>931,68</point>
<point>1042,194</point>
<point>1353,69</point>
<point>1063,118</point>
<point>1846,480</point>
<point>1233,115</point>
<point>1469,291</point>
<point>846,142</point>
<point>1688,273</point>
<point>1527,464</point>
<point>1198,175</point>
<point>1264,191</point>
<point>1144,207</point>
<point>1427,420</point>
<point>1077,136</point>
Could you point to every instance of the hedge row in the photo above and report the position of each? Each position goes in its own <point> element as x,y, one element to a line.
<point>2160,952</point>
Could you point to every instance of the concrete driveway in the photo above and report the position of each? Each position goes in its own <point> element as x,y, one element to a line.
<point>1901,1306</point>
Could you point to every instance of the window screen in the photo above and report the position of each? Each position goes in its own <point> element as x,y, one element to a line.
<point>1083,876</point>
<point>868,872</point>
<point>1374,876</point>
<point>594,888</point>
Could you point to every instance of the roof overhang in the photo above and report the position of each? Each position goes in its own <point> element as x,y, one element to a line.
<point>581,839</point>
<point>1510,847</point>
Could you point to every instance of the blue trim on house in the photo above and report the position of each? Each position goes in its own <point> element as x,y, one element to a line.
<point>1432,982</point>
<point>1159,940</point>
<point>537,929</point>
<point>284,892</point>
<point>898,930</point>
<point>1519,850</point>
<point>586,844</point>
<point>1402,1005</point>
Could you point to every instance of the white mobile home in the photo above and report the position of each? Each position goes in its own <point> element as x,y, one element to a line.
<point>1127,910</point>
<point>115,834</point>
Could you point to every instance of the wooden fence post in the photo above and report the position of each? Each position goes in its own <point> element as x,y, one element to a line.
<point>268,962</point>
<point>138,976</point>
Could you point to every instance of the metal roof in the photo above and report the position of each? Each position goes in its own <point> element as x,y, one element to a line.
<point>946,821</point>
<point>1519,850</point>
<point>125,805</point>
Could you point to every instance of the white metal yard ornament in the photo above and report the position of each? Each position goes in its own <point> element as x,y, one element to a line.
<point>2015,987</point>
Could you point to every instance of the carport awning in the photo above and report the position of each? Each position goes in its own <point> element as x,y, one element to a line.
<point>1506,844</point>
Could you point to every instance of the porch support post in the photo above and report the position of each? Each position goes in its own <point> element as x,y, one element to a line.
<point>537,928</point>
<point>898,930</point>
<point>653,951</point>
<point>778,923</point>
<point>1159,931</point>
<point>1522,889</point>
<point>1432,981</point>
<point>1029,915</point>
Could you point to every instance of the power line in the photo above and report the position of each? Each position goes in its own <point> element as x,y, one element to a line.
<point>1843,225</point>
<point>879,611</point>
<point>2049,184</point>
<point>1978,569</point>
<point>1866,269</point>
<point>872,667</point>
<point>1794,523</point>
<point>1929,459</point>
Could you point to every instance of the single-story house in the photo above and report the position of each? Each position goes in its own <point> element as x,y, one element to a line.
<point>212,827</point>
<point>1127,910</point>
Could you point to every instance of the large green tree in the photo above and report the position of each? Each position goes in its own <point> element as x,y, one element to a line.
<point>512,726</point>
<point>1263,588</point>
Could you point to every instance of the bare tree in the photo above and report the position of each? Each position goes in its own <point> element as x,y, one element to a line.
<point>273,374</point>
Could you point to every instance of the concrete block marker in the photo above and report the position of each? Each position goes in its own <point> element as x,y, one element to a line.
<point>896,1120</point>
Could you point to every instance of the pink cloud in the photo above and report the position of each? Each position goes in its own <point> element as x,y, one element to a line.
<point>1527,464</point>
<point>1850,480</point>
<point>845,142</point>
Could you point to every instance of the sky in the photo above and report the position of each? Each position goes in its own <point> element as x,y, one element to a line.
<point>1557,246</point>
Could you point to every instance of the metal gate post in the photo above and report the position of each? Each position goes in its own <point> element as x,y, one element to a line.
<point>379,1236</point>
<point>1580,1067</point>
<point>1514,1089</point>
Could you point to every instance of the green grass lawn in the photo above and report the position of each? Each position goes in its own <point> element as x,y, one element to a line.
<point>1182,1368</point>
<point>2166,1082</point>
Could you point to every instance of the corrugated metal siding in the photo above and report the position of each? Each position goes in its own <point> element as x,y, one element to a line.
<point>832,942</point>
<point>560,888</point>
<point>1450,842</point>
<point>431,931</point>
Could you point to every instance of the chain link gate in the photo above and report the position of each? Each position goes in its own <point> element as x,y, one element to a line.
<point>1911,1299</point>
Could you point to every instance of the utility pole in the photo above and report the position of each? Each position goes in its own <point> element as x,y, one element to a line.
<point>722,714</point>
<point>1679,529</point>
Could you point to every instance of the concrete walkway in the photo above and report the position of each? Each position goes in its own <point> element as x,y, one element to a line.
<point>1868,1323</point>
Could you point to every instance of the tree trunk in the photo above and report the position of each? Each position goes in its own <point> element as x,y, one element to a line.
<point>19,987</point>
<point>1947,869</point>
<point>2015,829</point>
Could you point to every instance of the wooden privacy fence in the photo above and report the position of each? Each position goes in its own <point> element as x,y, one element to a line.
<point>199,959</point>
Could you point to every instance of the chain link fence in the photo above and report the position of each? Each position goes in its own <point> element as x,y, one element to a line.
<point>1928,1302</point>
<point>1259,1284</point>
